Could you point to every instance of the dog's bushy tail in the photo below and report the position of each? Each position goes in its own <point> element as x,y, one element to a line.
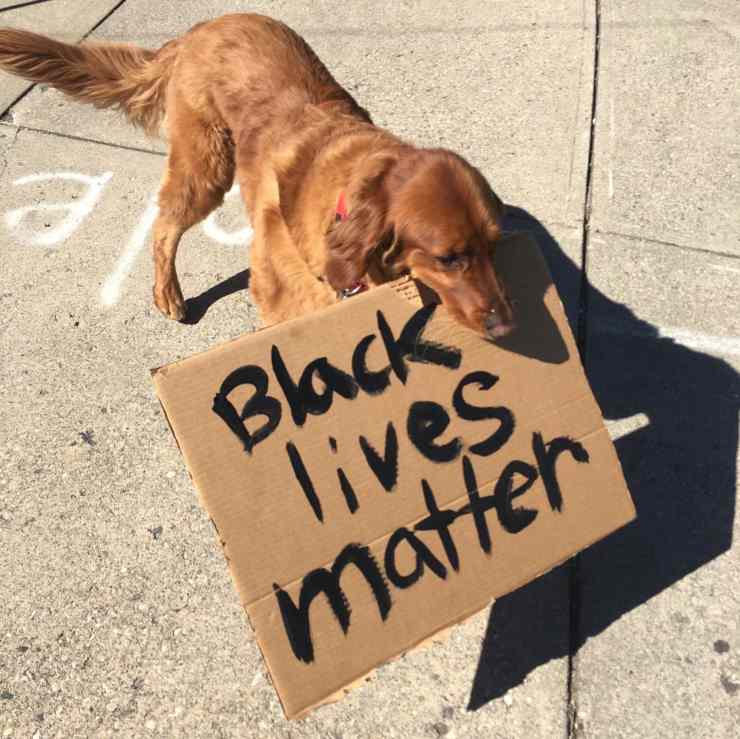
<point>106,75</point>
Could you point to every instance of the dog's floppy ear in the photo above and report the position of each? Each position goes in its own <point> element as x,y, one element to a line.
<point>351,242</point>
<point>495,209</point>
<point>367,227</point>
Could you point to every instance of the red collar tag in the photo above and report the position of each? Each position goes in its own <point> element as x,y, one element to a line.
<point>341,215</point>
<point>341,211</point>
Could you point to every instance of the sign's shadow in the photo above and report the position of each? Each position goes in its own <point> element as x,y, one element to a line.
<point>680,469</point>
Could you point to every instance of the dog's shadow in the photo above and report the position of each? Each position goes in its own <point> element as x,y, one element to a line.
<point>197,307</point>
<point>680,469</point>
<point>524,273</point>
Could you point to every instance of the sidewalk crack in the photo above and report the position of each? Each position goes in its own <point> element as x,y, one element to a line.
<point>574,726</point>
<point>5,156</point>
<point>663,242</point>
<point>23,5</point>
<point>83,139</point>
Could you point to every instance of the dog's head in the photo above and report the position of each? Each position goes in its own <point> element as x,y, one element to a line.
<point>429,213</point>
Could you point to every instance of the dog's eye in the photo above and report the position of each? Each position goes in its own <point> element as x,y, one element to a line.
<point>449,260</point>
<point>455,262</point>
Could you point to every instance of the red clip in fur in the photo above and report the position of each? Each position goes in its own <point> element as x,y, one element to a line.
<point>341,212</point>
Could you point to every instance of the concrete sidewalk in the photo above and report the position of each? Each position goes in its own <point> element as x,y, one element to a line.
<point>118,616</point>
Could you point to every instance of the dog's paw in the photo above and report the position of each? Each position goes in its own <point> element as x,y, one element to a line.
<point>169,301</point>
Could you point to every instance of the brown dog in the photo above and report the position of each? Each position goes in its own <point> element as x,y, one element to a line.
<point>336,203</point>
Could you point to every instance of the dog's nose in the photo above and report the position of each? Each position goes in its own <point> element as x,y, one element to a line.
<point>495,326</point>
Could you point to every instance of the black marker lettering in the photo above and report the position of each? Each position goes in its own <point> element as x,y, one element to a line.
<point>301,473</point>
<point>336,381</point>
<point>296,619</point>
<point>439,521</point>
<point>426,421</point>
<point>385,467</point>
<point>393,348</point>
<point>512,519</point>
<point>348,491</point>
<point>373,383</point>
<point>290,389</point>
<point>547,454</point>
<point>485,381</point>
<point>424,556</point>
<point>428,352</point>
<point>412,346</point>
<point>350,498</point>
<point>477,506</point>
<point>260,404</point>
<point>303,397</point>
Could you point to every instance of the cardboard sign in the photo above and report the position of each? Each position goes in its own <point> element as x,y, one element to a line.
<point>378,473</point>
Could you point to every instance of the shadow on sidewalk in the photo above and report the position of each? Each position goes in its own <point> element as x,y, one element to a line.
<point>680,469</point>
<point>197,307</point>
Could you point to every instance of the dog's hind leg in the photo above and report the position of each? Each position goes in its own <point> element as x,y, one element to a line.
<point>200,170</point>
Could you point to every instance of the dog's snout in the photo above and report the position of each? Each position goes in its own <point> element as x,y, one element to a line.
<point>496,325</point>
<point>499,319</point>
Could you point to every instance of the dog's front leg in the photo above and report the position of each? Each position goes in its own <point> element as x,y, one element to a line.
<point>281,283</point>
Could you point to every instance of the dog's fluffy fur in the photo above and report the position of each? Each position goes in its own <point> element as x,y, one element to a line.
<point>244,96</point>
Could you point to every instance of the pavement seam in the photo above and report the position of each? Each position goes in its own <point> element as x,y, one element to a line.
<point>572,721</point>
<point>72,137</point>
<point>6,155</point>
<point>103,19</point>
<point>574,142</point>
<point>660,242</point>
<point>24,5</point>
<point>8,109</point>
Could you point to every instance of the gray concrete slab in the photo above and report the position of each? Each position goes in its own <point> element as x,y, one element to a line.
<point>508,87</point>
<point>658,609</point>
<point>122,618</point>
<point>119,614</point>
<point>67,20</point>
<point>667,154</point>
